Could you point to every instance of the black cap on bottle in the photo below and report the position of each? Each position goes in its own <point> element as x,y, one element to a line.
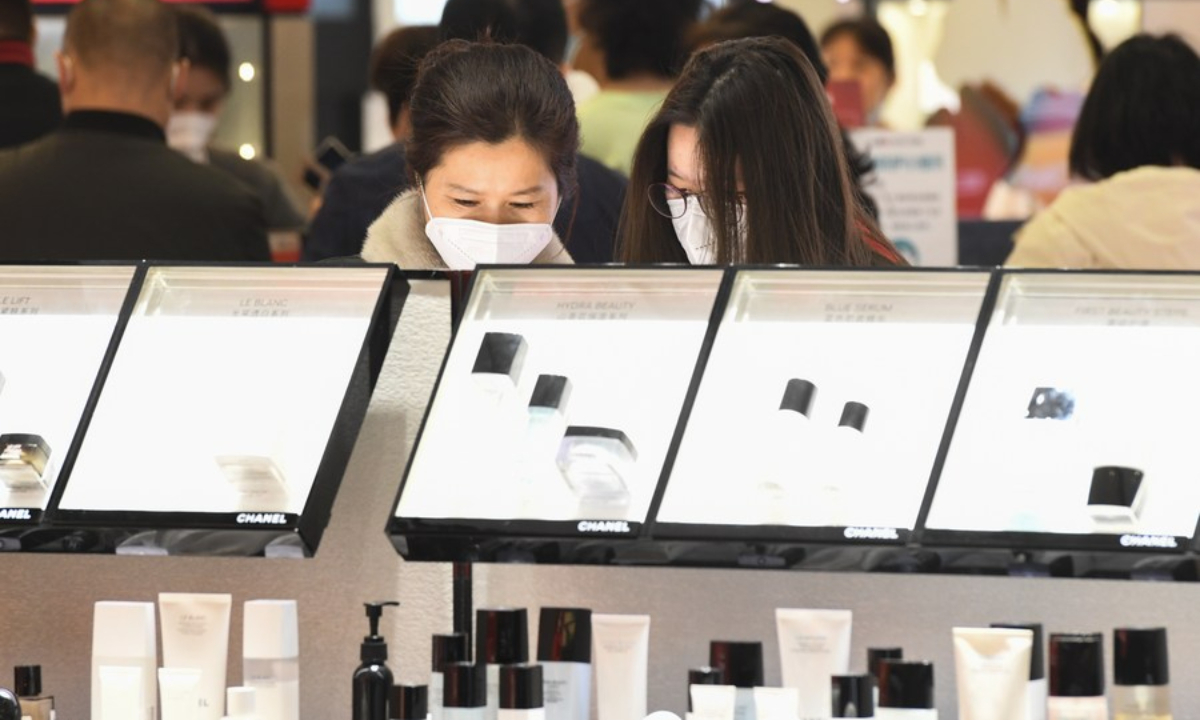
<point>741,663</point>
<point>409,702</point>
<point>502,636</point>
<point>1115,486</point>
<point>374,647</point>
<point>798,396</point>
<point>1077,665</point>
<point>449,648</point>
<point>521,687</point>
<point>565,635</point>
<point>906,684</point>
<point>551,391</point>
<point>501,354</point>
<point>876,656</point>
<point>1140,656</point>
<point>703,676</point>
<point>854,415</point>
<point>10,706</point>
<point>1037,662</point>
<point>27,680</point>
<point>464,685</point>
<point>853,696</point>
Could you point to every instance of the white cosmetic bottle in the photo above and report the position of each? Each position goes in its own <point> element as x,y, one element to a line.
<point>906,691</point>
<point>124,638</point>
<point>501,638</point>
<point>846,468</point>
<point>464,696</point>
<point>1077,678</point>
<point>1141,689</point>
<point>545,427</point>
<point>565,654</point>
<point>241,703</point>
<point>447,649</point>
<point>741,665</point>
<point>1037,690</point>
<point>521,692</point>
<point>786,447</point>
<point>271,657</point>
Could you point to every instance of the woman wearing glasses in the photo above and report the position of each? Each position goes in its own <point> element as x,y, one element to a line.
<point>744,164</point>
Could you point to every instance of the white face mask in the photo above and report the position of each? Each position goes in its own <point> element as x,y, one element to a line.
<point>190,132</point>
<point>695,231</point>
<point>463,244</point>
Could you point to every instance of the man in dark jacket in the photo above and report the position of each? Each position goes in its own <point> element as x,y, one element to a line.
<point>29,104</point>
<point>106,186</point>
<point>360,190</point>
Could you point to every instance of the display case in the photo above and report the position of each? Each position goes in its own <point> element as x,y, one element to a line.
<point>822,406</point>
<point>1075,431</point>
<point>58,324</point>
<point>226,418</point>
<point>555,409</point>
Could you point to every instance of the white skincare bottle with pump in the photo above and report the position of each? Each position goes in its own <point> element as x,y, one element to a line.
<point>464,695</point>
<point>501,638</point>
<point>271,658</point>
<point>565,654</point>
<point>741,665</point>
<point>521,693</point>
<point>1141,689</point>
<point>1037,690</point>
<point>447,649</point>
<point>786,446</point>
<point>905,691</point>
<point>1077,678</point>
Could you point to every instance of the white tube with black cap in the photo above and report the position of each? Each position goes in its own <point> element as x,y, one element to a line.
<point>501,638</point>
<point>464,695</point>
<point>452,648</point>
<point>1038,691</point>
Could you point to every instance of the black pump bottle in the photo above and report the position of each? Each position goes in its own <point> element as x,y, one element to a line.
<point>373,679</point>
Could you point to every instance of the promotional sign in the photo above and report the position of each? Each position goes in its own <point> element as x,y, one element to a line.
<point>914,188</point>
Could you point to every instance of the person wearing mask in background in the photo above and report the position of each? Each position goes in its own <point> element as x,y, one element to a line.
<point>754,19</point>
<point>29,104</point>
<point>198,112</point>
<point>860,50</point>
<point>106,186</point>
<point>1137,145</point>
<point>359,190</point>
<point>715,182</point>
<point>491,158</point>
<point>642,45</point>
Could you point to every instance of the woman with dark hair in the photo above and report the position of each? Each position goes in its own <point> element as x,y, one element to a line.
<point>491,158</point>
<point>1137,144</point>
<point>715,181</point>
<point>861,50</point>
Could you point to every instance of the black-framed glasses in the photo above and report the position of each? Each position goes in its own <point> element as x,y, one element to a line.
<point>670,201</point>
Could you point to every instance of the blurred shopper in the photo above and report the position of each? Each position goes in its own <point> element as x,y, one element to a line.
<point>860,50</point>
<point>29,104</point>
<point>642,43</point>
<point>754,19</point>
<point>587,224</point>
<point>360,190</point>
<point>715,182</point>
<point>1137,145</point>
<point>492,158</point>
<point>106,186</point>
<point>198,112</point>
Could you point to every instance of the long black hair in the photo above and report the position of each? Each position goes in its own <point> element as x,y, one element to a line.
<point>761,114</point>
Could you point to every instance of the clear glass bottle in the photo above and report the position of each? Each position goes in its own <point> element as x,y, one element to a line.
<point>1141,689</point>
<point>28,686</point>
<point>1077,677</point>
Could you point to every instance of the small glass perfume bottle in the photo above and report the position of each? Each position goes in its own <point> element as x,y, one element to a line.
<point>23,461</point>
<point>597,463</point>
<point>498,365</point>
<point>28,684</point>
<point>546,425</point>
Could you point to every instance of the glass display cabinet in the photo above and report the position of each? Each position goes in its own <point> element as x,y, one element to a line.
<point>226,418</point>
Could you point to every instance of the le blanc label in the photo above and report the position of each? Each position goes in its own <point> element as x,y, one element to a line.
<point>262,307</point>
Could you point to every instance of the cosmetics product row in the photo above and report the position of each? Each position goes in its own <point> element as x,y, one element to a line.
<point>127,682</point>
<point>1000,673</point>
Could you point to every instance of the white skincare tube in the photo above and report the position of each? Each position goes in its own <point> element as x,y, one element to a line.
<point>195,634</point>
<point>778,703</point>
<point>622,644</point>
<point>992,672</point>
<point>179,689</point>
<point>713,702</point>
<point>565,653</point>
<point>814,645</point>
<point>120,692</point>
<point>271,658</point>
<point>1037,691</point>
<point>123,636</point>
